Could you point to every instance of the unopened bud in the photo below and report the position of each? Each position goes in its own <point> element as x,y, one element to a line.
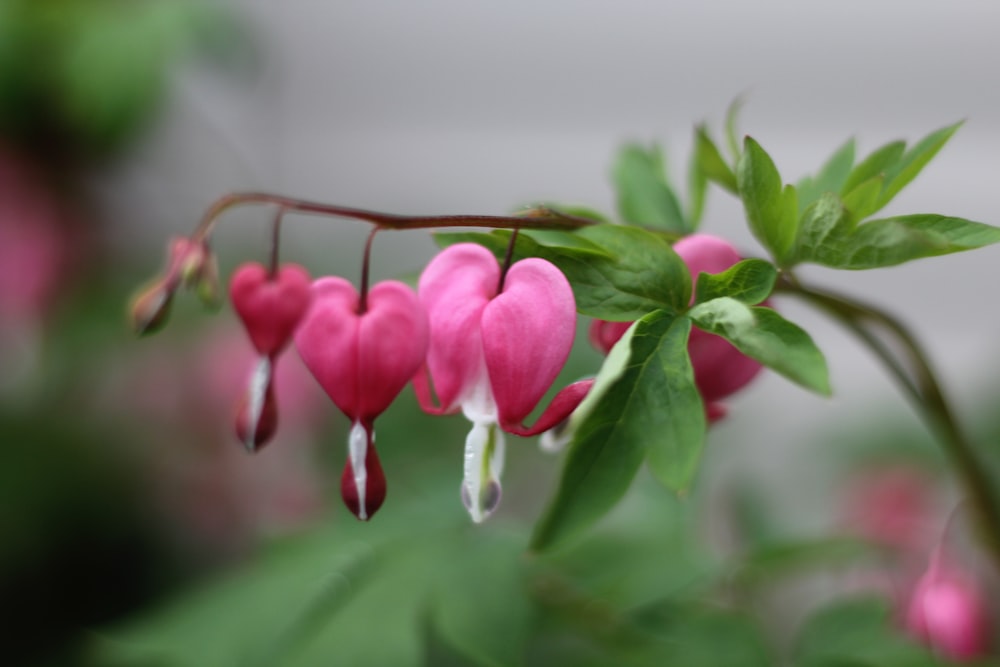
<point>207,287</point>
<point>151,308</point>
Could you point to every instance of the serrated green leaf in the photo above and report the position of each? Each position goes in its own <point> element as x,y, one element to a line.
<point>892,241</point>
<point>644,196</point>
<point>749,282</point>
<point>772,211</point>
<point>710,161</point>
<point>831,177</point>
<point>764,335</point>
<point>652,410</point>
<point>899,174</point>
<point>697,189</point>
<point>878,162</point>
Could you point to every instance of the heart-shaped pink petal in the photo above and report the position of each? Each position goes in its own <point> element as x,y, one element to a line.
<point>527,333</point>
<point>362,361</point>
<point>270,307</point>
<point>454,289</point>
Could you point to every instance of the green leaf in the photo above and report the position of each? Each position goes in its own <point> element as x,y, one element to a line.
<point>862,201</point>
<point>732,120</point>
<point>764,335</point>
<point>651,410</point>
<point>859,631</point>
<point>710,161</point>
<point>644,196</point>
<point>772,211</point>
<point>578,212</point>
<point>749,282</point>
<point>874,165</point>
<point>644,275</point>
<point>823,229</point>
<point>831,177</point>
<point>899,174</point>
<point>892,241</point>
<point>479,604</point>
<point>617,272</point>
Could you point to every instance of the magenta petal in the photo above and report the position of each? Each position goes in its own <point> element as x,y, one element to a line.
<point>564,403</point>
<point>719,368</point>
<point>527,334</point>
<point>454,289</point>
<point>392,345</point>
<point>270,306</point>
<point>603,334</point>
<point>327,341</point>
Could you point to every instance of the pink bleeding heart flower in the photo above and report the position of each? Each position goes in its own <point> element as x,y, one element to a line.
<point>362,356</point>
<point>948,612</point>
<point>494,352</point>
<point>720,370</point>
<point>270,306</point>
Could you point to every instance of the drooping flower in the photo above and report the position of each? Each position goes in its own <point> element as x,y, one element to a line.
<point>948,612</point>
<point>720,369</point>
<point>270,306</point>
<point>495,349</point>
<point>362,355</point>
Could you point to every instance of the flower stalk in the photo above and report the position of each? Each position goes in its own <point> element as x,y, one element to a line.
<point>920,385</point>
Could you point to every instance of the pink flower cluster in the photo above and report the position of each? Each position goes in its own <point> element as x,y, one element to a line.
<point>473,338</point>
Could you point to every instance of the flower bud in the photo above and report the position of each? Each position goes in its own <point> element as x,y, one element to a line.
<point>151,308</point>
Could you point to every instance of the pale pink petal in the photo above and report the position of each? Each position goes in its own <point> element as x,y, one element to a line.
<point>527,334</point>
<point>454,289</point>
<point>327,341</point>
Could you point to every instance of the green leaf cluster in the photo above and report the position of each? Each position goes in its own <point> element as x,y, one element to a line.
<point>822,219</point>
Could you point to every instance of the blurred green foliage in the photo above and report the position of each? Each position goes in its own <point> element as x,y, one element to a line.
<point>81,78</point>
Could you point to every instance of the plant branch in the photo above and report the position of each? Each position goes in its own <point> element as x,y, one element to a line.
<point>539,217</point>
<point>920,384</point>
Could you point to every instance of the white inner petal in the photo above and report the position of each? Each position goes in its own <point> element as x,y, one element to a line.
<point>259,381</point>
<point>478,404</point>
<point>483,465</point>
<point>357,451</point>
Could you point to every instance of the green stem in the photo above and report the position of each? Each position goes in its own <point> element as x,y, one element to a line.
<point>541,218</point>
<point>920,384</point>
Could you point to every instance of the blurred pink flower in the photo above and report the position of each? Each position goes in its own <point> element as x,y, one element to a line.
<point>892,505</point>
<point>948,612</point>
<point>34,247</point>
